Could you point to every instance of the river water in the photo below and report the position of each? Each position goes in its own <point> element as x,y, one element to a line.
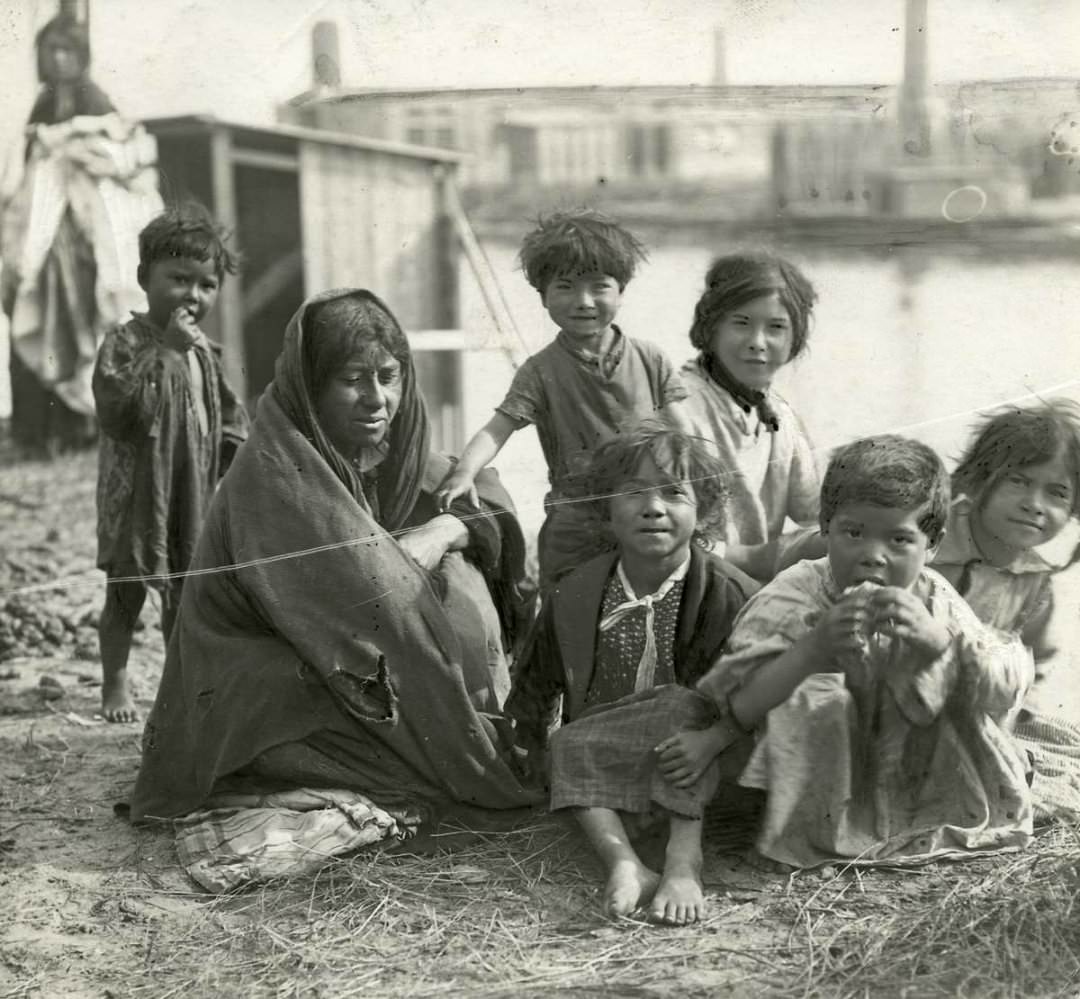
<point>918,341</point>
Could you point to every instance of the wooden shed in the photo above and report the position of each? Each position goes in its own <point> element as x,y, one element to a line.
<point>313,210</point>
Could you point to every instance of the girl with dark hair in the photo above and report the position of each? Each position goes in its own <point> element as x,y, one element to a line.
<point>76,196</point>
<point>751,320</point>
<point>1016,488</point>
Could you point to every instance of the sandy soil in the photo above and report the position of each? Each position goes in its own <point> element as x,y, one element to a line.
<point>94,907</point>
<point>91,907</point>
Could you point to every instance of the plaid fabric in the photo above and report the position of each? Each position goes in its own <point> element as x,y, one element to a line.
<point>607,759</point>
<point>1054,747</point>
<point>244,838</point>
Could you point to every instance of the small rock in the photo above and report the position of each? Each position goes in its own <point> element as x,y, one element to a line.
<point>88,652</point>
<point>50,688</point>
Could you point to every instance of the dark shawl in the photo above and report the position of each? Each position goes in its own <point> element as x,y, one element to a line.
<point>281,645</point>
<point>87,98</point>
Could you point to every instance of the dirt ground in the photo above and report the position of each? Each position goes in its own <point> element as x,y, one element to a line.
<point>91,907</point>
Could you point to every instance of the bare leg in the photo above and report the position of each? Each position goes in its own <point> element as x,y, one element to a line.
<point>630,883</point>
<point>680,899</point>
<point>123,601</point>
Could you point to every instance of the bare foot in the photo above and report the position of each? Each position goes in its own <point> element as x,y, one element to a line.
<point>679,899</point>
<point>629,885</point>
<point>116,702</point>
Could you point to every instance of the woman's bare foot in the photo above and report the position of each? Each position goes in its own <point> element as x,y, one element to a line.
<point>680,898</point>
<point>629,885</point>
<point>116,701</point>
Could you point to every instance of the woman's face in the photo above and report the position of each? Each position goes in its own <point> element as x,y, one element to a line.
<point>360,400</point>
<point>60,61</point>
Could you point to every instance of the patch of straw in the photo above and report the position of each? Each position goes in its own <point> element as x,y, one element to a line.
<point>1008,926</point>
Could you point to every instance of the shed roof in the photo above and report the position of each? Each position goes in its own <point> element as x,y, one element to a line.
<point>208,122</point>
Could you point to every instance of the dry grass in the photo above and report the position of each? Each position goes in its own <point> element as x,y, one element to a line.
<point>506,913</point>
<point>1008,926</point>
<point>515,913</point>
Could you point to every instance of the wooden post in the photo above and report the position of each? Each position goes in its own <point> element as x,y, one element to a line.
<point>447,249</point>
<point>230,301</point>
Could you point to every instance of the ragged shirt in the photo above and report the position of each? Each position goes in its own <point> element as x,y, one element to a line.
<point>902,759</point>
<point>157,465</point>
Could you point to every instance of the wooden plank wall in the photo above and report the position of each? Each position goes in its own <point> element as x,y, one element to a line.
<point>370,219</point>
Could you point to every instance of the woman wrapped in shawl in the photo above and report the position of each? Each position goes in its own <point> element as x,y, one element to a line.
<point>337,630</point>
<point>75,197</point>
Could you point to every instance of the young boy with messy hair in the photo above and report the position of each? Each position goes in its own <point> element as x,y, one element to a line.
<point>170,423</point>
<point>586,385</point>
<point>880,701</point>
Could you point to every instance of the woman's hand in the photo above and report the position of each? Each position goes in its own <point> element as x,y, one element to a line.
<point>427,544</point>
<point>903,615</point>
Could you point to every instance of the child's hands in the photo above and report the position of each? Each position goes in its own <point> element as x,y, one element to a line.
<point>181,331</point>
<point>683,758</point>
<point>843,630</point>
<point>903,615</point>
<point>457,483</point>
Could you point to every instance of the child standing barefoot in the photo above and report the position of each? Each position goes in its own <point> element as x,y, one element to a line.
<point>656,611</point>
<point>170,423</point>
<point>751,320</point>
<point>582,388</point>
<point>887,701</point>
<point>1016,488</point>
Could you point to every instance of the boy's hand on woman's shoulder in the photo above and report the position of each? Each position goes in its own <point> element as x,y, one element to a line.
<point>456,484</point>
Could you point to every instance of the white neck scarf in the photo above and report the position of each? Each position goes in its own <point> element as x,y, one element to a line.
<point>646,670</point>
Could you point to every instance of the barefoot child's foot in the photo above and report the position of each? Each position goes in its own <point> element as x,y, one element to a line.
<point>116,702</point>
<point>679,899</point>
<point>629,885</point>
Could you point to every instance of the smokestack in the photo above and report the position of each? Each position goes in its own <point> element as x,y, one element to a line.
<point>719,70</point>
<point>915,90</point>
<point>325,56</point>
<point>77,10</point>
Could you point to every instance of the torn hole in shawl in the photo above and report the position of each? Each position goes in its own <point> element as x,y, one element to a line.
<point>365,698</point>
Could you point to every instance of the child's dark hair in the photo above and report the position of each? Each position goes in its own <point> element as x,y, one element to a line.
<point>888,471</point>
<point>1017,438</point>
<point>579,242</point>
<point>739,278</point>
<point>686,459</point>
<point>72,32</point>
<point>185,231</point>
